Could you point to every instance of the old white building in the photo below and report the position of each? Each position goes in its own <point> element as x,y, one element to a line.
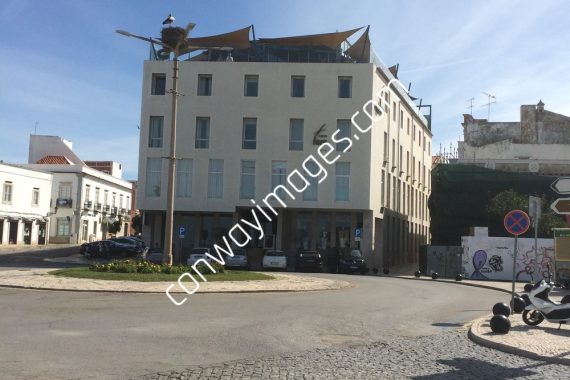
<point>84,202</point>
<point>539,143</point>
<point>25,206</point>
<point>249,118</point>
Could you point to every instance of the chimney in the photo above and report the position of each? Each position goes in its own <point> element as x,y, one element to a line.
<point>540,106</point>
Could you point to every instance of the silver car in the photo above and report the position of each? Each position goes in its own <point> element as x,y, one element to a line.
<point>275,259</point>
<point>239,259</point>
<point>197,254</point>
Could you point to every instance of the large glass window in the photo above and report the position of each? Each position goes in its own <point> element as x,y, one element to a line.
<point>249,133</point>
<point>310,193</point>
<point>204,85</point>
<point>158,84</point>
<point>155,131</point>
<point>247,185</point>
<point>153,174</point>
<point>296,134</point>
<point>184,178</point>
<point>64,190</point>
<point>279,176</point>
<point>304,230</point>
<point>343,230</point>
<point>251,85</point>
<point>216,178</point>
<point>342,189</point>
<point>345,87</point>
<point>7,192</point>
<point>343,127</point>
<point>202,133</point>
<point>323,231</point>
<point>298,86</point>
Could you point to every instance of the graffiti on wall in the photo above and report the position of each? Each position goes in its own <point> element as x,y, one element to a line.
<point>492,259</point>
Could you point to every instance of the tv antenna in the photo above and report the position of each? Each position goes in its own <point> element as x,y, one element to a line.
<point>491,99</point>
<point>470,106</point>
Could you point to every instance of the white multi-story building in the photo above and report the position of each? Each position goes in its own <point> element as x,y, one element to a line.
<point>248,120</point>
<point>24,210</point>
<point>84,202</point>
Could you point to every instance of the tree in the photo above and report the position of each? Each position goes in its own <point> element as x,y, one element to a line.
<point>508,200</point>
<point>136,224</point>
<point>116,226</point>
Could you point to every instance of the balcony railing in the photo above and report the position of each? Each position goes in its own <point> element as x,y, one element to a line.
<point>87,205</point>
<point>64,202</point>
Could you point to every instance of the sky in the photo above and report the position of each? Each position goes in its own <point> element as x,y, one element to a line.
<point>64,71</point>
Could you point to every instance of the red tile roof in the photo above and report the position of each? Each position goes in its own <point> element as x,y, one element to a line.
<point>59,160</point>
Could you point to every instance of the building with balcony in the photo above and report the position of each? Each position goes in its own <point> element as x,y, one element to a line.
<point>25,205</point>
<point>253,112</point>
<point>84,202</point>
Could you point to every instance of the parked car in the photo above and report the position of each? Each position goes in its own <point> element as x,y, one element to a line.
<point>309,260</point>
<point>197,254</point>
<point>111,249</point>
<point>154,255</point>
<point>129,241</point>
<point>352,262</point>
<point>274,259</point>
<point>238,260</point>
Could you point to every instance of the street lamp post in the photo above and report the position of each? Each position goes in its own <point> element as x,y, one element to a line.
<point>169,226</point>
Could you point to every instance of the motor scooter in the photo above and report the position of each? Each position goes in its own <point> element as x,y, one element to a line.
<point>542,307</point>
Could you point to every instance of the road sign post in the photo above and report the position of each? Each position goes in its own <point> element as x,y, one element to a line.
<point>516,222</point>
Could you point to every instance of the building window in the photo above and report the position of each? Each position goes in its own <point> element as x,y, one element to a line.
<point>296,134</point>
<point>394,111</point>
<point>247,185</point>
<point>202,133</point>
<point>310,193</point>
<point>216,179</point>
<point>279,176</point>
<point>249,133</point>
<point>7,193</point>
<point>87,193</point>
<point>128,203</point>
<point>342,189</point>
<point>251,85</point>
<point>106,198</point>
<point>158,84</point>
<point>114,200</point>
<point>35,197</point>
<point>343,127</point>
<point>64,190</point>
<point>184,178</point>
<point>96,200</point>
<point>155,131</point>
<point>297,87</point>
<point>120,200</point>
<point>62,227</point>
<point>153,175</point>
<point>204,85</point>
<point>345,87</point>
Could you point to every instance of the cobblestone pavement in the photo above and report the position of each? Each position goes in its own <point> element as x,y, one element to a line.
<point>447,355</point>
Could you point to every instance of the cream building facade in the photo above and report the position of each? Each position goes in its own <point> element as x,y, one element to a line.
<point>244,126</point>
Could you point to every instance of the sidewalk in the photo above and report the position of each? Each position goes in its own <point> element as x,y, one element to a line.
<point>544,342</point>
<point>39,279</point>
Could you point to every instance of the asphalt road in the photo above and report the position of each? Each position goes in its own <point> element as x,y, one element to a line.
<point>48,334</point>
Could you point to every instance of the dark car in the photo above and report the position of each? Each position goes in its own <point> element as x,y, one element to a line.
<point>111,249</point>
<point>352,262</point>
<point>154,255</point>
<point>309,261</point>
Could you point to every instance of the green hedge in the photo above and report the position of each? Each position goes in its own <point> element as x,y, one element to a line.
<point>143,266</point>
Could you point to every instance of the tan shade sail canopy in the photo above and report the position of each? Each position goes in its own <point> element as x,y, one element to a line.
<point>238,39</point>
<point>360,50</point>
<point>330,40</point>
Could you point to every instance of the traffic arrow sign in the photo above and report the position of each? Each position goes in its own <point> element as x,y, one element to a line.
<point>561,206</point>
<point>561,185</point>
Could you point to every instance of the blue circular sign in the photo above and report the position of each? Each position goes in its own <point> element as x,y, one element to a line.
<point>517,222</point>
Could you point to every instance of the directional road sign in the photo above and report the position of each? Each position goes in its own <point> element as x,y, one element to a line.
<point>561,185</point>
<point>517,222</point>
<point>561,206</point>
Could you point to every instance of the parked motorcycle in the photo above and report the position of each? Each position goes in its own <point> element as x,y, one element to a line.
<point>542,307</point>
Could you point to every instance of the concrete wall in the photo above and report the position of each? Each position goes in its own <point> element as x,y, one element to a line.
<point>491,258</point>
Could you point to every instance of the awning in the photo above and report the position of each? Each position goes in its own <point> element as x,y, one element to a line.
<point>360,50</point>
<point>238,39</point>
<point>330,40</point>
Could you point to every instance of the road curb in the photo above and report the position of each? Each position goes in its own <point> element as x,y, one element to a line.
<point>443,281</point>
<point>479,339</point>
